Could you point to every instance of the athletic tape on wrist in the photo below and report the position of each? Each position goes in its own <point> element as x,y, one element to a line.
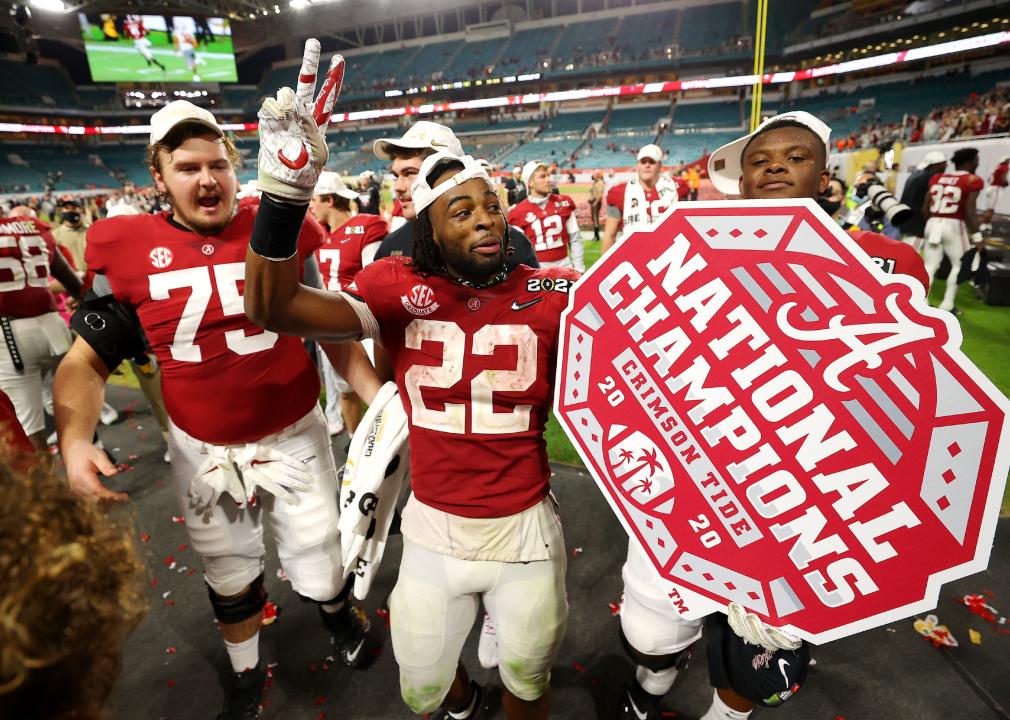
<point>276,228</point>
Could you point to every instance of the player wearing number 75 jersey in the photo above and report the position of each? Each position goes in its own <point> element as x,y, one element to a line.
<point>473,347</point>
<point>548,220</point>
<point>240,457</point>
<point>953,222</point>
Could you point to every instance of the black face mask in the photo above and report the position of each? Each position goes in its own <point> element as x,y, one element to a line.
<point>829,206</point>
<point>73,217</point>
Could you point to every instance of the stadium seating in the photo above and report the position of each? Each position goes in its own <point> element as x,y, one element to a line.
<point>574,122</point>
<point>526,50</point>
<point>472,60</point>
<point>28,85</point>
<point>582,39</point>
<point>638,33</point>
<point>635,118</point>
<point>707,26</point>
<point>720,115</point>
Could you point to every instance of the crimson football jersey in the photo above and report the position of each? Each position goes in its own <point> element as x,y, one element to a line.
<point>949,192</point>
<point>892,256</point>
<point>475,370</point>
<point>135,29</point>
<point>654,206</point>
<point>26,246</point>
<point>546,226</point>
<point>999,175</point>
<point>224,379</point>
<point>340,255</point>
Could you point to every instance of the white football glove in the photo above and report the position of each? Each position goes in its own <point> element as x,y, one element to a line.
<point>292,130</point>
<point>216,476</point>
<point>976,238</point>
<point>750,627</point>
<point>272,471</point>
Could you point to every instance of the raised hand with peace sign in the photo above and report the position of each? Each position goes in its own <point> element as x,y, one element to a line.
<point>292,129</point>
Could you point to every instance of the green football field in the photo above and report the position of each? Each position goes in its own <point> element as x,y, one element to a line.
<point>120,61</point>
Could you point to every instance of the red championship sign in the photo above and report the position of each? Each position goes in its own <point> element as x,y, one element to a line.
<point>778,422</point>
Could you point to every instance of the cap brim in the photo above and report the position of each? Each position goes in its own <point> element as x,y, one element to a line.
<point>724,167</point>
<point>195,121</point>
<point>380,148</point>
<point>347,194</point>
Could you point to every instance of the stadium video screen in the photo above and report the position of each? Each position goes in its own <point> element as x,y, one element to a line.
<point>158,48</point>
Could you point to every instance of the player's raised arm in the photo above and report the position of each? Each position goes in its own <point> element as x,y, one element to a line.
<point>292,153</point>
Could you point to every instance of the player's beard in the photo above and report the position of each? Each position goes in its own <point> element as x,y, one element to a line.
<point>200,225</point>
<point>467,265</point>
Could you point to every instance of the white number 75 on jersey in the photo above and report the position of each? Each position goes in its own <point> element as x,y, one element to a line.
<point>484,419</point>
<point>197,279</point>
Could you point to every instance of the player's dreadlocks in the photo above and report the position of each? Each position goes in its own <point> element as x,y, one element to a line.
<point>427,257</point>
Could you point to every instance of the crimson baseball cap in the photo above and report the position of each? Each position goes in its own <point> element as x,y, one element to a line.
<point>724,165</point>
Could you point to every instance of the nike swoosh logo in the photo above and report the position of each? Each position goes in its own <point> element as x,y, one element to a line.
<point>638,713</point>
<point>352,656</point>
<point>298,163</point>
<point>523,306</point>
<point>782,669</point>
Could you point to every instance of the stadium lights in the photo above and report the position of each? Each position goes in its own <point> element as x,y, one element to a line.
<point>299,4</point>
<point>49,5</point>
<point>774,78</point>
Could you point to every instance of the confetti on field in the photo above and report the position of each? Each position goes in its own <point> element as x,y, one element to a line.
<point>931,629</point>
<point>170,683</point>
<point>576,551</point>
<point>171,650</point>
<point>975,636</point>
<point>178,519</point>
<point>144,537</point>
<point>270,613</point>
<point>183,547</point>
<point>615,608</point>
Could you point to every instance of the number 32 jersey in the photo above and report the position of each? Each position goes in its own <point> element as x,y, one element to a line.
<point>949,192</point>
<point>224,379</point>
<point>475,370</point>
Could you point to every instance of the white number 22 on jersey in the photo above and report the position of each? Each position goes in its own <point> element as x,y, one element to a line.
<point>197,279</point>
<point>484,420</point>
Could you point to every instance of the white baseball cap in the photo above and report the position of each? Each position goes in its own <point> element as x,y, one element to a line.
<point>530,168</point>
<point>422,135</point>
<point>424,195</point>
<point>330,183</point>
<point>122,209</point>
<point>181,111</point>
<point>933,157</point>
<point>724,165</point>
<point>653,152</point>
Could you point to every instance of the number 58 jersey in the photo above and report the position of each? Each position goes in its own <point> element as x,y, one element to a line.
<point>224,379</point>
<point>475,370</point>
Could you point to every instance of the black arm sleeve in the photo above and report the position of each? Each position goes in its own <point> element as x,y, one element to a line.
<point>276,228</point>
<point>110,328</point>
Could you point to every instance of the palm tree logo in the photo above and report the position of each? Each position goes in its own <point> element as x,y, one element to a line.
<point>648,460</point>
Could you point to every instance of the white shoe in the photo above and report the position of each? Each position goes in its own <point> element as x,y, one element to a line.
<point>108,415</point>
<point>487,648</point>
<point>52,439</point>
<point>335,427</point>
<point>168,456</point>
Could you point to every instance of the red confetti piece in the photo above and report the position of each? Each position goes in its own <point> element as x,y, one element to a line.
<point>270,613</point>
<point>320,700</point>
<point>170,601</point>
<point>144,537</point>
<point>312,668</point>
<point>171,683</point>
<point>576,551</point>
<point>579,667</point>
<point>191,571</point>
<point>152,582</point>
<point>183,547</point>
<point>178,519</point>
<point>615,608</point>
<point>171,650</point>
<point>132,457</point>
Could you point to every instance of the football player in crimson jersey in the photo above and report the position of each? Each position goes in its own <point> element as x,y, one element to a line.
<point>35,335</point>
<point>473,344</point>
<point>133,27</point>
<point>641,200</point>
<point>952,226</point>
<point>750,663</point>
<point>351,242</point>
<point>548,220</point>
<point>239,458</point>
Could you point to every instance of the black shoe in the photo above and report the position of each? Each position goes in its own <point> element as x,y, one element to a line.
<point>476,701</point>
<point>347,631</point>
<point>631,711</point>
<point>244,695</point>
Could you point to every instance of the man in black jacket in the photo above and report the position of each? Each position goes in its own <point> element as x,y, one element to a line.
<point>914,194</point>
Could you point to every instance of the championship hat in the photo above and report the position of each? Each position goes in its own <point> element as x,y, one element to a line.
<point>530,168</point>
<point>652,152</point>
<point>330,183</point>
<point>933,157</point>
<point>424,194</point>
<point>724,165</point>
<point>422,135</point>
<point>181,111</point>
